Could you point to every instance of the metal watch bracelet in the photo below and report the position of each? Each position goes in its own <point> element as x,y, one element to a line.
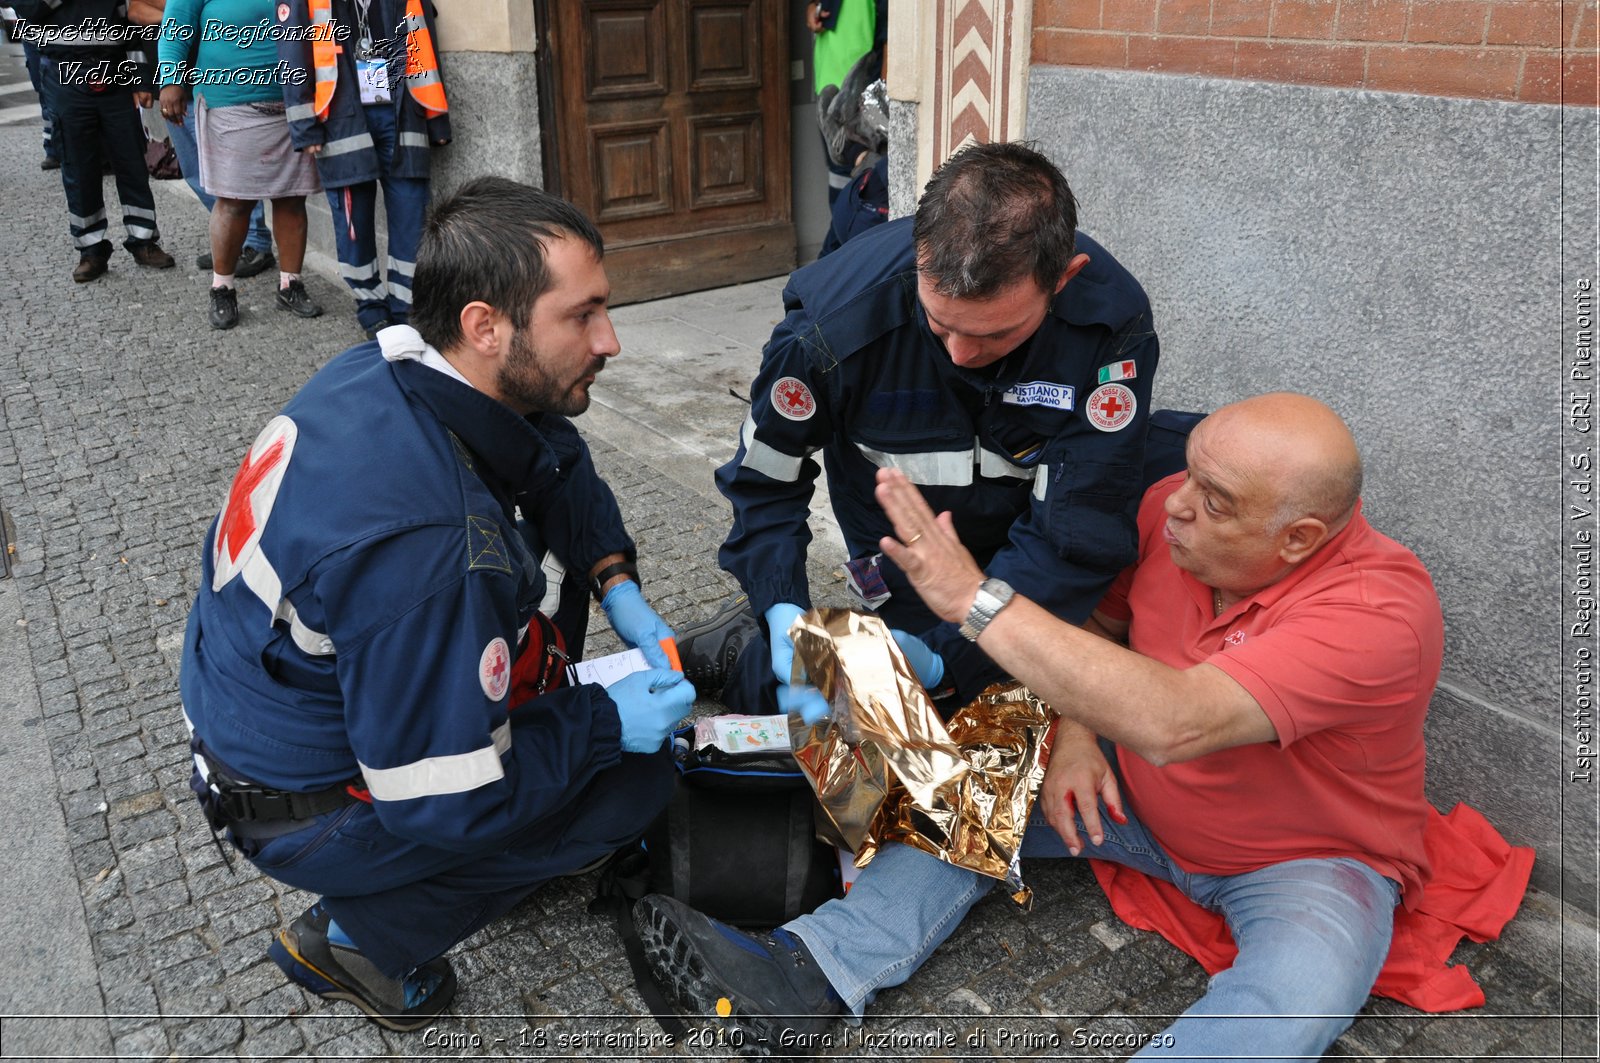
<point>993,595</point>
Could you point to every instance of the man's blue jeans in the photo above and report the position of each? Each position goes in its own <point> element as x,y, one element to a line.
<point>188,152</point>
<point>1312,935</point>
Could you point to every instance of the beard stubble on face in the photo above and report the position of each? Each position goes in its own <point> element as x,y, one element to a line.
<point>529,385</point>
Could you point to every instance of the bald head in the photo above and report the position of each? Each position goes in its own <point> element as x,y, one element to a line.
<point>1295,451</point>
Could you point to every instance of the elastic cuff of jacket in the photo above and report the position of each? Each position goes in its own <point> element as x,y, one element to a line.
<point>761,601</point>
<point>766,614</point>
<point>597,582</point>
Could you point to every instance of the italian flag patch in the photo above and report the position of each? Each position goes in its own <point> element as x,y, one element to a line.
<point>1117,371</point>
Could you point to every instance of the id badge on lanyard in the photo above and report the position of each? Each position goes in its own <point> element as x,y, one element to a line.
<point>372,69</point>
<point>373,77</point>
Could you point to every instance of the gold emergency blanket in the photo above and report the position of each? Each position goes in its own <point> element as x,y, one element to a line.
<point>886,769</point>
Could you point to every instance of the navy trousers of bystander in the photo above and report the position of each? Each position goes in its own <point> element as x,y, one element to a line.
<point>93,126</point>
<point>382,296</point>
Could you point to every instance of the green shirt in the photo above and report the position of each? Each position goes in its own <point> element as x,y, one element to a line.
<point>837,50</point>
<point>234,46</point>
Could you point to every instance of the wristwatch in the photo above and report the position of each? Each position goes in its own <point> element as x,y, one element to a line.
<point>597,582</point>
<point>993,595</point>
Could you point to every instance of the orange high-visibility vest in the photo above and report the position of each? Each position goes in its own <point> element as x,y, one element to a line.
<point>324,56</point>
<point>422,63</point>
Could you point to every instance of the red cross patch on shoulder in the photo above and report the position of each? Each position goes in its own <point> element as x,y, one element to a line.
<point>494,669</point>
<point>250,499</point>
<point>1110,407</point>
<point>793,399</point>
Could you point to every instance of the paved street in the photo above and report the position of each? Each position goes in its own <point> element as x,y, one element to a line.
<point>122,419</point>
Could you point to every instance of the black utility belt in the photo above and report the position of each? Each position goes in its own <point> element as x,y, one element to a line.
<point>248,803</point>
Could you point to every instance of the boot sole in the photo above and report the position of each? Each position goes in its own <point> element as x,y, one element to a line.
<point>681,969</point>
<point>716,675</point>
<point>285,953</point>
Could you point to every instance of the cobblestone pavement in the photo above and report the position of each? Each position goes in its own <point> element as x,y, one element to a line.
<point>122,418</point>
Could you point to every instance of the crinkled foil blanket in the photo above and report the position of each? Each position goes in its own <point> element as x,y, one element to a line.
<point>887,769</point>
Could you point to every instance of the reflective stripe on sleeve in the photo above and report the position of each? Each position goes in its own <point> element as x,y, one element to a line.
<point>764,459</point>
<point>433,776</point>
<point>554,572</point>
<point>264,582</point>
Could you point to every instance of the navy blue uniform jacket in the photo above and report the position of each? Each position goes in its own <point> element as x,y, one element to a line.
<point>368,585</point>
<point>1038,456</point>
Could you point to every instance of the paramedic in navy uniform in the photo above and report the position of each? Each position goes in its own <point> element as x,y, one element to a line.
<point>999,358</point>
<point>379,717</point>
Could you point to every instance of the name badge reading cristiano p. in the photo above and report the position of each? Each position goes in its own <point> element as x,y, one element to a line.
<point>1041,393</point>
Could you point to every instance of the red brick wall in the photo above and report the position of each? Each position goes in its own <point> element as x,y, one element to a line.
<point>1539,51</point>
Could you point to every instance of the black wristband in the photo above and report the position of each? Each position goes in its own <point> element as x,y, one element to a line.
<point>597,582</point>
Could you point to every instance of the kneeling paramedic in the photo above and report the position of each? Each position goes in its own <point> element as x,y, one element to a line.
<point>999,357</point>
<point>373,669</point>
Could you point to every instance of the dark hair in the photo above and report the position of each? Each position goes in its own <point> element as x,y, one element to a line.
<point>991,215</point>
<point>487,242</point>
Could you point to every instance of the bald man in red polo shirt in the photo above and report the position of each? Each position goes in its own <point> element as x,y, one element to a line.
<point>1241,717</point>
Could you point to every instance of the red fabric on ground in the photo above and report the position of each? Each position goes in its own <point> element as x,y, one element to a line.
<point>1477,884</point>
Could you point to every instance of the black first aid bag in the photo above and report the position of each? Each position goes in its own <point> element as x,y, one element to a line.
<point>737,841</point>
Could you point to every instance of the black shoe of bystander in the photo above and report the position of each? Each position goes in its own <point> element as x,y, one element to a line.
<point>151,256</point>
<point>297,301</point>
<point>224,308</point>
<point>89,267</point>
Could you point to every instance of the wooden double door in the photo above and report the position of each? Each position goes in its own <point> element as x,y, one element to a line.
<point>667,121</point>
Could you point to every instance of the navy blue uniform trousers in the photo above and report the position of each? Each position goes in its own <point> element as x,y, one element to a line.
<point>404,903</point>
<point>92,127</point>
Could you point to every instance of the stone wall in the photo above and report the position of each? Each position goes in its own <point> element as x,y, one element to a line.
<point>1400,257</point>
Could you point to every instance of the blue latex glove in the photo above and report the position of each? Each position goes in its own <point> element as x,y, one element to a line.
<point>928,665</point>
<point>650,704</point>
<point>636,623</point>
<point>805,700</point>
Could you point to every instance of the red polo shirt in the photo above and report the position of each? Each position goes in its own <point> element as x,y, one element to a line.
<point>1342,654</point>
